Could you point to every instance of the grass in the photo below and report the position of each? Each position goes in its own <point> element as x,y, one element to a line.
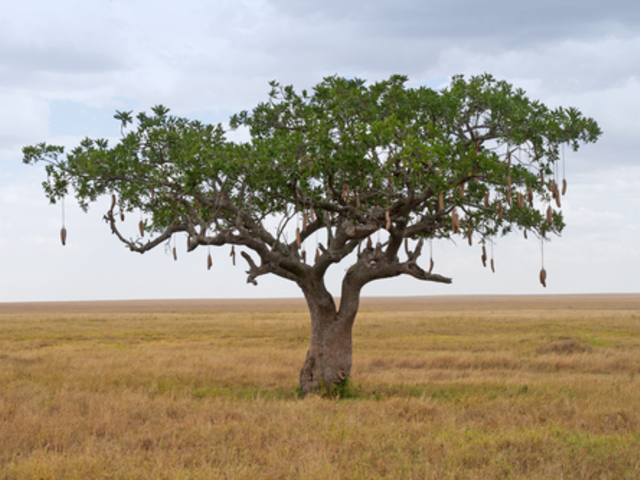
<point>533,387</point>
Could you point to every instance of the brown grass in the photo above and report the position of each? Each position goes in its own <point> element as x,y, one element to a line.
<point>457,387</point>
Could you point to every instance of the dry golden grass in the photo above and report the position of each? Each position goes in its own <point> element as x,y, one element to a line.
<point>458,387</point>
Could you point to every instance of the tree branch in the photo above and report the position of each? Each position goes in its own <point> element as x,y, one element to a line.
<point>138,246</point>
<point>412,268</point>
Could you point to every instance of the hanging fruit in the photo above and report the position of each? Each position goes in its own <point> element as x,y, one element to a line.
<point>113,201</point>
<point>564,186</point>
<point>298,239</point>
<point>486,199</point>
<point>556,195</point>
<point>63,236</point>
<point>499,210</point>
<point>549,215</point>
<point>141,228</point>
<point>175,253</point>
<point>440,201</point>
<point>543,277</point>
<point>345,192</point>
<point>493,268</point>
<point>431,264</point>
<point>209,261</point>
<point>483,257</point>
<point>455,221</point>
<point>233,255</point>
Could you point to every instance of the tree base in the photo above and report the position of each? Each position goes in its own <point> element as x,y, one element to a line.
<point>328,365</point>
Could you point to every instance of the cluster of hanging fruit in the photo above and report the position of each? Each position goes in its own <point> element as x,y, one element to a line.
<point>346,195</point>
<point>520,198</point>
<point>556,195</point>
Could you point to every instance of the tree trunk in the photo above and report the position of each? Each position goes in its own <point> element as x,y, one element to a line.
<point>328,361</point>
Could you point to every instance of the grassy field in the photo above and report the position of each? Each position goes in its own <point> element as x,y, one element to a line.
<point>458,387</point>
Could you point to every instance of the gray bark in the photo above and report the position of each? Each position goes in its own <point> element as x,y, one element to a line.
<point>329,358</point>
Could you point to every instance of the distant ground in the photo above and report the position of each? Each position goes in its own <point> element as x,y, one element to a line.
<point>462,302</point>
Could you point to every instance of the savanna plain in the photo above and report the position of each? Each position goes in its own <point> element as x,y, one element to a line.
<point>442,387</point>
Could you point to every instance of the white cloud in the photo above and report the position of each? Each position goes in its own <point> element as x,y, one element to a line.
<point>23,118</point>
<point>210,59</point>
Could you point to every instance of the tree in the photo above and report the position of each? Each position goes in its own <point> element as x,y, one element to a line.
<point>333,166</point>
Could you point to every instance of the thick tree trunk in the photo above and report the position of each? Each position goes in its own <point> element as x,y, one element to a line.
<point>328,360</point>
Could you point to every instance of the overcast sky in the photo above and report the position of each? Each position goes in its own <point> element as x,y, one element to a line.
<point>66,66</point>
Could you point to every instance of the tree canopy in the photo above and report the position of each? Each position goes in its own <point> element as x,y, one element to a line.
<point>333,166</point>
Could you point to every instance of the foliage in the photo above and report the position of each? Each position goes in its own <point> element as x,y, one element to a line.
<point>354,158</point>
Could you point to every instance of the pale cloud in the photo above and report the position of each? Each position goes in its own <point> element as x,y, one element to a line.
<point>66,66</point>
<point>24,118</point>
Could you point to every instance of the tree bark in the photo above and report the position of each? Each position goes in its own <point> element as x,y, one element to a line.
<point>328,361</point>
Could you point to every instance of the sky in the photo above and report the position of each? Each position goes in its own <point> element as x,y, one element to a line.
<point>66,66</point>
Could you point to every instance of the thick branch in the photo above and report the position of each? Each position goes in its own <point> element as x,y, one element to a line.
<point>265,268</point>
<point>412,268</point>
